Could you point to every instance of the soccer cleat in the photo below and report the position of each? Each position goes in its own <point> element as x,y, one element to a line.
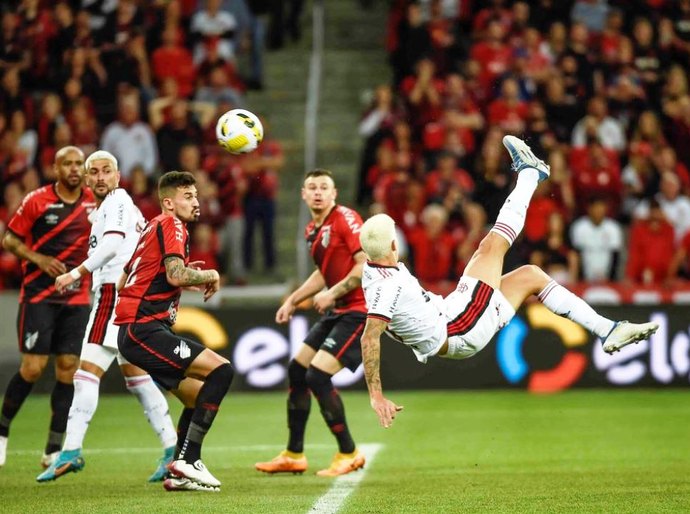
<point>3,450</point>
<point>196,472</point>
<point>47,459</point>
<point>185,484</point>
<point>523,157</point>
<point>285,462</point>
<point>342,464</point>
<point>624,333</point>
<point>67,461</point>
<point>163,462</point>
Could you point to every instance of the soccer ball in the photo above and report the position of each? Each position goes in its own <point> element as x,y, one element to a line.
<point>239,131</point>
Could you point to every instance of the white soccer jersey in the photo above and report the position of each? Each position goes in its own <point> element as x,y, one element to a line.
<point>117,214</point>
<point>415,316</point>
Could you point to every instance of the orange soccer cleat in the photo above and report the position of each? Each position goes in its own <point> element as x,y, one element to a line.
<point>285,462</point>
<point>342,464</point>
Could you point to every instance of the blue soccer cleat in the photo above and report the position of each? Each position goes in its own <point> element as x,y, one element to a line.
<point>162,469</point>
<point>523,157</point>
<point>69,461</point>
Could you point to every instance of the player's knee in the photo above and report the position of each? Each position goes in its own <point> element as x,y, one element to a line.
<point>491,244</point>
<point>534,276</point>
<point>296,373</point>
<point>31,371</point>
<point>318,380</point>
<point>222,375</point>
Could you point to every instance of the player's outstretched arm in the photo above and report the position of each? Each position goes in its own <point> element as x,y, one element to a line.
<point>326,299</point>
<point>371,358</point>
<point>179,275</point>
<point>48,265</point>
<point>311,286</point>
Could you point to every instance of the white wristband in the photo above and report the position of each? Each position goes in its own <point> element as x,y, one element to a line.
<point>75,273</point>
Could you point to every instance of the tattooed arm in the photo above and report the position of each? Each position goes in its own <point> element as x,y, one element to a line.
<point>371,358</point>
<point>179,275</point>
<point>326,299</point>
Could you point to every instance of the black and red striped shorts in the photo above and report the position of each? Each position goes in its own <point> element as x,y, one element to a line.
<point>101,318</point>
<point>339,334</point>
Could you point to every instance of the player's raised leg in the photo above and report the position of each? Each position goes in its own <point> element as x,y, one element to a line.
<point>487,262</point>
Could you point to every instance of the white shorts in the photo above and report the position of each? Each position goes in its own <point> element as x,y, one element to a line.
<point>475,312</point>
<point>100,338</point>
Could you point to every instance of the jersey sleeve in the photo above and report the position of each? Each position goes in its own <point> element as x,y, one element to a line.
<point>350,225</point>
<point>171,237</point>
<point>22,220</point>
<point>382,299</point>
<point>117,210</point>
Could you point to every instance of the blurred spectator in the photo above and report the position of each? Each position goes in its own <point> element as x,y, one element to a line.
<point>130,140</point>
<point>178,129</point>
<point>219,89</point>
<point>493,55</point>
<point>204,246</point>
<point>651,248</point>
<point>413,40</point>
<point>27,138</point>
<point>599,240</point>
<point>598,124</point>
<point>173,60</point>
<point>674,204</point>
<point>508,111</point>
<point>262,168</point>
<point>554,254</point>
<point>447,176</point>
<point>596,172</point>
<point>432,248</point>
<point>591,13</point>
<point>143,193</point>
<point>215,25</point>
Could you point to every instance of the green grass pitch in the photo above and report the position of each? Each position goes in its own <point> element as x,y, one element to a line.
<point>469,451</point>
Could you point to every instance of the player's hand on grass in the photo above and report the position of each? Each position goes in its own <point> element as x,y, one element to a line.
<point>63,282</point>
<point>50,265</point>
<point>323,301</point>
<point>285,312</point>
<point>385,410</point>
<point>212,286</point>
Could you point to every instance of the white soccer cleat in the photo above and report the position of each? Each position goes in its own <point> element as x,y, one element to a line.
<point>625,333</point>
<point>185,484</point>
<point>196,472</point>
<point>523,157</point>
<point>3,450</point>
<point>48,458</point>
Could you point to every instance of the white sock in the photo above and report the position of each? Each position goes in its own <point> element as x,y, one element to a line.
<point>83,407</point>
<point>511,217</point>
<point>155,408</point>
<point>559,300</point>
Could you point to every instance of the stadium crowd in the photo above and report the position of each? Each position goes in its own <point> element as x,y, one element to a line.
<point>598,88</point>
<point>145,81</point>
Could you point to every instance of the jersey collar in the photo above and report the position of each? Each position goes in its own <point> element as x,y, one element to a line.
<point>374,265</point>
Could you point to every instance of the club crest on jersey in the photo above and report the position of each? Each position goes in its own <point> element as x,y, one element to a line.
<point>325,236</point>
<point>462,287</point>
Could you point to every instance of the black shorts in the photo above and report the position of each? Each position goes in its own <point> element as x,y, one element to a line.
<point>45,328</point>
<point>156,349</point>
<point>339,334</point>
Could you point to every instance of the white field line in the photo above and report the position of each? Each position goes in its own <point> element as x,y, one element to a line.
<point>333,499</point>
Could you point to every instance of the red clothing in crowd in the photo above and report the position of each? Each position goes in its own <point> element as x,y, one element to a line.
<point>502,113</point>
<point>437,186</point>
<point>175,62</point>
<point>538,213</point>
<point>650,251</point>
<point>433,258</point>
<point>494,61</point>
<point>596,176</point>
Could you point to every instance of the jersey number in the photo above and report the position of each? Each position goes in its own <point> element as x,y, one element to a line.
<point>132,275</point>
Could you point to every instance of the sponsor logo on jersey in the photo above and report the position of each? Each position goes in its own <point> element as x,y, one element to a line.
<point>56,206</point>
<point>329,343</point>
<point>182,350</point>
<point>30,340</point>
<point>51,219</point>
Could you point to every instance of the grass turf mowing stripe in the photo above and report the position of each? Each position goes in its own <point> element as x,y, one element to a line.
<point>342,487</point>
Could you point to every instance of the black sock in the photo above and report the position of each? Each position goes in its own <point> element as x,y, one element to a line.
<point>332,407</point>
<point>17,391</point>
<point>60,402</point>
<point>298,406</point>
<point>211,394</point>
<point>183,428</point>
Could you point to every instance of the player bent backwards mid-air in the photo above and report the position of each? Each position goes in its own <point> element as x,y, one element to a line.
<point>333,342</point>
<point>149,294</point>
<point>49,232</point>
<point>484,301</point>
<point>114,234</point>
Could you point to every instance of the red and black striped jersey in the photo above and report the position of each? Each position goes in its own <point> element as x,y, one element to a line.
<point>147,294</point>
<point>50,226</point>
<point>333,246</point>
